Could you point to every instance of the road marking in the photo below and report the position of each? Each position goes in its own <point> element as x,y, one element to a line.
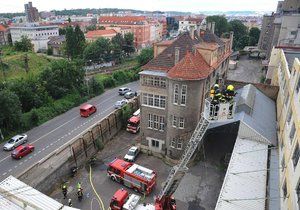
<point>25,160</point>
<point>34,154</point>
<point>16,166</point>
<point>47,146</point>
<point>39,151</point>
<point>4,174</point>
<point>9,170</point>
<point>21,163</point>
<point>43,149</point>
<point>51,144</point>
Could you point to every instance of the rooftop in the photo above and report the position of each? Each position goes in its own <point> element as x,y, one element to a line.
<point>2,28</point>
<point>97,33</point>
<point>123,20</point>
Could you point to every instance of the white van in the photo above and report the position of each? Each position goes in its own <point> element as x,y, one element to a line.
<point>124,90</point>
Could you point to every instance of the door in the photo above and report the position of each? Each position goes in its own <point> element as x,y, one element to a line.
<point>17,142</point>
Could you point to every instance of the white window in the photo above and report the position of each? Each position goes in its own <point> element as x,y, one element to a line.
<point>174,121</point>
<point>156,100</point>
<point>150,99</point>
<point>179,143</point>
<point>181,122</point>
<point>144,80</point>
<point>176,91</point>
<point>150,81</point>
<point>161,123</point>
<point>183,94</point>
<point>163,82</point>
<point>156,123</point>
<point>150,121</point>
<point>154,143</point>
<point>156,81</point>
<point>145,98</point>
<point>163,101</point>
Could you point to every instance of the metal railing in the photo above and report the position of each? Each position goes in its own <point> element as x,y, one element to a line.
<point>219,111</point>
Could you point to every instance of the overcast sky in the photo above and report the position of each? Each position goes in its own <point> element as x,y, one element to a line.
<point>163,5</point>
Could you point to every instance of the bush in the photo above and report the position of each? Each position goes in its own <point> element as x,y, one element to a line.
<point>50,51</point>
<point>109,82</point>
<point>127,111</point>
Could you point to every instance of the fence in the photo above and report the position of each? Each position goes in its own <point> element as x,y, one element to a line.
<point>57,165</point>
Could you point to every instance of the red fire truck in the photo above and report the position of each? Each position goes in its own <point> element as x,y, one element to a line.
<point>133,125</point>
<point>134,176</point>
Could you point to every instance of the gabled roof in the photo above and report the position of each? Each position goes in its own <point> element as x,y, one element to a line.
<point>2,28</point>
<point>97,33</point>
<point>166,59</point>
<point>191,67</point>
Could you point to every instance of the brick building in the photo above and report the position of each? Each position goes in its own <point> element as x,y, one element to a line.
<point>138,24</point>
<point>94,35</point>
<point>32,14</point>
<point>174,85</point>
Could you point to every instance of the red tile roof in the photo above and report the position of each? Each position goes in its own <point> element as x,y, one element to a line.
<point>191,67</point>
<point>98,33</point>
<point>122,20</point>
<point>2,28</point>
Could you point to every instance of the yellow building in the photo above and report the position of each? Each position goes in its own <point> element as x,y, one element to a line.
<point>284,71</point>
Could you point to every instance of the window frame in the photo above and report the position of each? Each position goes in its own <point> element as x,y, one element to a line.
<point>174,121</point>
<point>183,95</point>
<point>176,94</point>
<point>181,123</point>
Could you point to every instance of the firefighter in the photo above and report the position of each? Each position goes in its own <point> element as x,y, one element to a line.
<point>213,90</point>
<point>70,202</point>
<point>78,185</point>
<point>79,194</point>
<point>230,93</point>
<point>64,189</point>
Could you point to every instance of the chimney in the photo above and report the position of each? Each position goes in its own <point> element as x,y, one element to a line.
<point>192,32</point>
<point>213,27</point>
<point>231,39</point>
<point>177,50</point>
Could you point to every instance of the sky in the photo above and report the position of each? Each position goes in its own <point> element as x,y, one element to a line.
<point>150,5</point>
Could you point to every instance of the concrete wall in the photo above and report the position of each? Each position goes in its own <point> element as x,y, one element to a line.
<point>57,165</point>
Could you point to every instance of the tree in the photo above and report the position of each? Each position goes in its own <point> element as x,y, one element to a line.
<point>243,42</point>
<point>69,20</point>
<point>145,56</point>
<point>239,30</point>
<point>254,34</point>
<point>128,46</point>
<point>75,42</point>
<point>98,51</point>
<point>117,43</point>
<point>62,77</point>
<point>10,110</point>
<point>95,86</point>
<point>24,45</point>
<point>91,28</point>
<point>62,31</point>
<point>101,28</point>
<point>221,24</point>
<point>80,41</point>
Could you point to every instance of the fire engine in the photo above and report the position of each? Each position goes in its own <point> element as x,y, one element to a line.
<point>133,124</point>
<point>132,175</point>
<point>165,200</point>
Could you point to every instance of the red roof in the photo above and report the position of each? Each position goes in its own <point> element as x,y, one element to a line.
<point>2,28</point>
<point>98,33</point>
<point>122,20</point>
<point>86,106</point>
<point>191,67</point>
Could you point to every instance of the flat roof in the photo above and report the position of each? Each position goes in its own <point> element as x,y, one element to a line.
<point>154,73</point>
<point>15,194</point>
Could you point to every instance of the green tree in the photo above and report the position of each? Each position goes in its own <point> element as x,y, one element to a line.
<point>243,42</point>
<point>91,28</point>
<point>98,51</point>
<point>145,56</point>
<point>239,30</point>
<point>221,24</point>
<point>128,46</point>
<point>10,110</point>
<point>254,34</point>
<point>117,43</point>
<point>62,77</point>
<point>70,42</point>
<point>24,45</point>
<point>96,87</point>
<point>62,31</point>
<point>69,20</point>
<point>101,28</point>
<point>79,41</point>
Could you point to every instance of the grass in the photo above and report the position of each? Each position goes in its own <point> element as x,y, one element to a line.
<point>14,65</point>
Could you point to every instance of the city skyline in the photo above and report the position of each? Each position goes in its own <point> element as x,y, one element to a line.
<point>166,5</point>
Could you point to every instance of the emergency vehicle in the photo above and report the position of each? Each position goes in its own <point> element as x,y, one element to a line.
<point>133,124</point>
<point>132,175</point>
<point>165,200</point>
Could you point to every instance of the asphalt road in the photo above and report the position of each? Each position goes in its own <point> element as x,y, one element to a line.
<point>56,132</point>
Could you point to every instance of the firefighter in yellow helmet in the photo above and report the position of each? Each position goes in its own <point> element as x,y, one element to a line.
<point>229,96</point>
<point>213,91</point>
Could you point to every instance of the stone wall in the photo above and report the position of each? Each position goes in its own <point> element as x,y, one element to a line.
<point>56,166</point>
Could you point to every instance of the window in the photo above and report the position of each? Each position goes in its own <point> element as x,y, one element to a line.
<point>163,101</point>
<point>150,121</point>
<point>179,143</point>
<point>154,143</point>
<point>150,99</point>
<point>156,123</point>
<point>284,190</point>
<point>154,100</point>
<point>176,91</point>
<point>296,155</point>
<point>174,121</point>
<point>181,122</point>
<point>183,94</point>
<point>150,81</point>
<point>292,132</point>
<point>163,82</point>
<point>156,81</point>
<point>161,123</point>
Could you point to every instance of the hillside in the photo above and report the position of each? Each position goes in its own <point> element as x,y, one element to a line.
<point>14,65</point>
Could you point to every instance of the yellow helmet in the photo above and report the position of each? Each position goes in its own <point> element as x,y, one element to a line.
<point>230,87</point>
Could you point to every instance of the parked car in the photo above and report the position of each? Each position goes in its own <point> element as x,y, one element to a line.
<point>130,94</point>
<point>87,109</point>
<point>15,141</point>
<point>22,151</point>
<point>120,104</point>
<point>132,153</point>
<point>124,90</point>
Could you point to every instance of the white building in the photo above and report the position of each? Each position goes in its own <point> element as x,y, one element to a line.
<point>39,35</point>
<point>185,25</point>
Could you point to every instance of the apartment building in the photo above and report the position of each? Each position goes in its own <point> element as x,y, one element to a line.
<point>94,35</point>
<point>284,69</point>
<point>38,34</point>
<point>138,24</point>
<point>174,85</point>
<point>187,23</point>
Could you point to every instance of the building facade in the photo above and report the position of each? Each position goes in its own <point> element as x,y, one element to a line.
<point>3,35</point>
<point>187,23</point>
<point>284,70</point>
<point>56,44</point>
<point>138,25</point>
<point>174,86</point>
<point>39,35</point>
<point>94,35</point>
<point>32,14</point>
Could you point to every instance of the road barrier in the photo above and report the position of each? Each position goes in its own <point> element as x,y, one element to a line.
<point>56,166</point>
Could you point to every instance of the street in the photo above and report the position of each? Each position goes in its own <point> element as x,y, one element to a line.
<point>56,132</point>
